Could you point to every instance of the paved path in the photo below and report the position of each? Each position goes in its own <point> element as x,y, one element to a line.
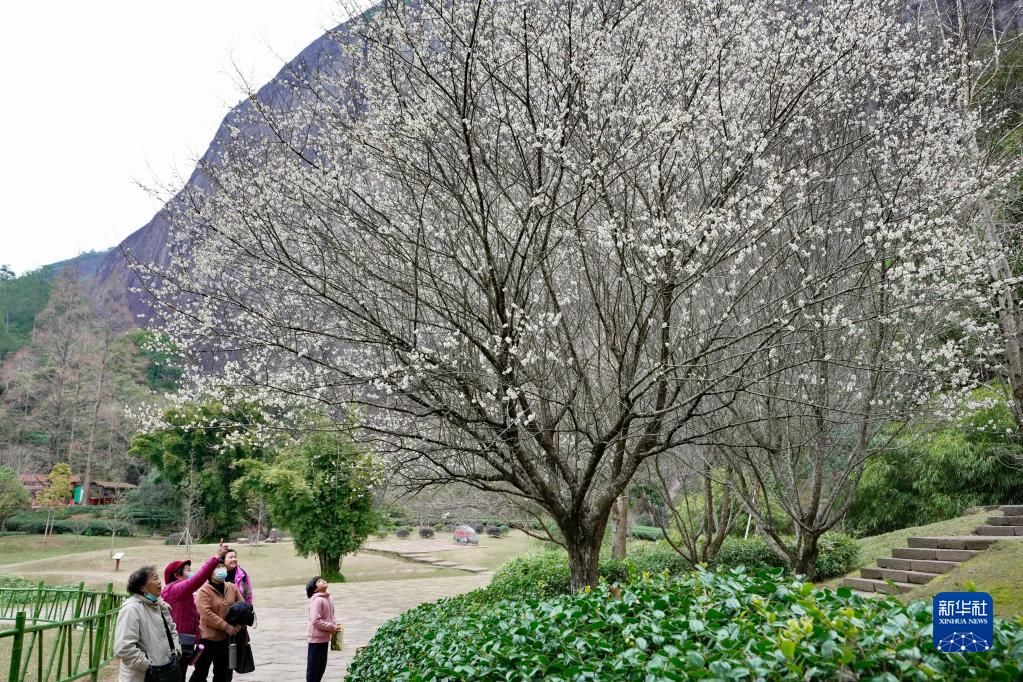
<point>278,641</point>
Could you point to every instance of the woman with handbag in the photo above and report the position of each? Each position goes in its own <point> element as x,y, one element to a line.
<point>213,600</point>
<point>181,584</point>
<point>322,628</point>
<point>145,639</point>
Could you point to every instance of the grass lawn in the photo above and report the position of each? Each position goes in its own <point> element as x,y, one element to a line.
<point>997,570</point>
<point>271,565</point>
<point>875,546</point>
<point>491,552</point>
<point>18,548</point>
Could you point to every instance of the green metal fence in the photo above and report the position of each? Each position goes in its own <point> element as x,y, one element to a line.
<point>57,634</point>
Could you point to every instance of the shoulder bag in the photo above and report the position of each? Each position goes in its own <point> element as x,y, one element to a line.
<point>170,671</point>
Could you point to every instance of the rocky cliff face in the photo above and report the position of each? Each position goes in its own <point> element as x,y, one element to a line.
<point>112,289</point>
<point>115,288</point>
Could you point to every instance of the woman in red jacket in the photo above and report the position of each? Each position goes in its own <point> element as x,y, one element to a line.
<point>179,586</point>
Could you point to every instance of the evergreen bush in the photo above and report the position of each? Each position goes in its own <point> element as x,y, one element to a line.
<point>837,555</point>
<point>702,625</point>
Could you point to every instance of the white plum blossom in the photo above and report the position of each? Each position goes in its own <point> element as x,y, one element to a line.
<point>538,243</point>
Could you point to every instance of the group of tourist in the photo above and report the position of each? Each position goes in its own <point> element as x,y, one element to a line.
<point>200,618</point>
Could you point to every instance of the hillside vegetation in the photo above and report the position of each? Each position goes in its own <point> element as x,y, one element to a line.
<point>23,298</point>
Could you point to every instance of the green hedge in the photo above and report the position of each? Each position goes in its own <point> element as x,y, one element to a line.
<point>646,533</point>
<point>38,515</point>
<point>546,573</point>
<point>543,574</point>
<point>61,527</point>
<point>838,554</point>
<point>725,625</point>
<point>655,558</point>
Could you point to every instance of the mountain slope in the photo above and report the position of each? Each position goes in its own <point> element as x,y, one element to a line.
<point>112,291</point>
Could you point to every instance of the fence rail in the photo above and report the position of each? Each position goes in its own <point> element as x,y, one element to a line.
<point>57,634</point>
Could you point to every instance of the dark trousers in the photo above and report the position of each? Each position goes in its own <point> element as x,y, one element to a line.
<point>214,654</point>
<point>316,661</point>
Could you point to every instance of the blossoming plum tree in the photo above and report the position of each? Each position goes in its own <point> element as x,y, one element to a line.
<point>538,243</point>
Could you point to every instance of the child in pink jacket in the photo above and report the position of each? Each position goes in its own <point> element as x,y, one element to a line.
<point>321,626</point>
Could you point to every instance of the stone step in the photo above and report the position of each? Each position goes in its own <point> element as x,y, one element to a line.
<point>1012,509</point>
<point>934,554</point>
<point>1005,520</point>
<point>953,542</point>
<point>921,565</point>
<point>899,576</point>
<point>999,530</point>
<point>892,562</point>
<point>869,585</point>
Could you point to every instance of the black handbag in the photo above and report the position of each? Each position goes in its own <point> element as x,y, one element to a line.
<point>246,664</point>
<point>187,645</point>
<point>170,671</point>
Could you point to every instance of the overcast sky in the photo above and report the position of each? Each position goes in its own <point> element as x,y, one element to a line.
<point>100,97</point>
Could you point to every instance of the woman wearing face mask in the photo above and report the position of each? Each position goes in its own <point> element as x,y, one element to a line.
<point>212,601</point>
<point>145,636</point>
<point>179,590</point>
<point>237,576</point>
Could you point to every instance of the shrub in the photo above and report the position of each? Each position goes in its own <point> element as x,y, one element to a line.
<point>504,529</point>
<point>837,555</point>
<point>402,533</point>
<point>382,533</point>
<point>752,553</point>
<point>546,573</point>
<point>426,533</point>
<point>32,523</point>
<point>493,531</point>
<point>655,558</point>
<point>542,574</point>
<point>645,519</point>
<point>36,516</point>
<point>701,625</point>
<point>14,582</point>
<point>646,533</point>
<point>478,527</point>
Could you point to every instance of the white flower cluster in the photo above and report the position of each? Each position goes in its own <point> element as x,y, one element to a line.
<point>528,235</point>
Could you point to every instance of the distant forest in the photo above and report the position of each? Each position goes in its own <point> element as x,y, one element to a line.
<point>23,298</point>
<point>66,378</point>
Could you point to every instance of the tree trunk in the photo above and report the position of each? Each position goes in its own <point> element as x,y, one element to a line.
<point>87,480</point>
<point>330,566</point>
<point>582,540</point>
<point>806,555</point>
<point>582,562</point>
<point>621,536</point>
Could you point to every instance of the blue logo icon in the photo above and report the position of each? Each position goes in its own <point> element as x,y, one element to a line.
<point>964,622</point>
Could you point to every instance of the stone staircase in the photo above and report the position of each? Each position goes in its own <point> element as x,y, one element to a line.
<point>928,557</point>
